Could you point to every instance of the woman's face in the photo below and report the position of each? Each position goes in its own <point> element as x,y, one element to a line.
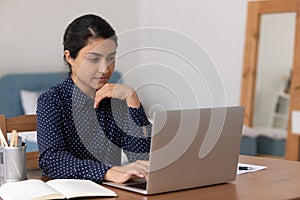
<point>94,65</point>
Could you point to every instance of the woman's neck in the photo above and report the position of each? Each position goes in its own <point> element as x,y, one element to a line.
<point>87,90</point>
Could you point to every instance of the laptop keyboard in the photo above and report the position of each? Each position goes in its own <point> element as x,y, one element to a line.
<point>139,185</point>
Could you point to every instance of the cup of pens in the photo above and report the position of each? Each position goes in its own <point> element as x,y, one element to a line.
<point>13,160</point>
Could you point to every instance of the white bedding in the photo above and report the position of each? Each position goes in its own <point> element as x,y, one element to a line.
<point>269,132</point>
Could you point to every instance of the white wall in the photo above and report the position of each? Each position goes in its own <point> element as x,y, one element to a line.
<point>218,26</point>
<point>31,34</point>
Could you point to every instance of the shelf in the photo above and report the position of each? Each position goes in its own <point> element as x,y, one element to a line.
<point>284,95</point>
<point>280,110</point>
<point>280,123</point>
<point>281,116</point>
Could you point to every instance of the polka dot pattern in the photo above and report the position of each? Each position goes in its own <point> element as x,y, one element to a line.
<point>77,141</point>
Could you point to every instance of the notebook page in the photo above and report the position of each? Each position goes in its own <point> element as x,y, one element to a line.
<point>28,189</point>
<point>79,188</point>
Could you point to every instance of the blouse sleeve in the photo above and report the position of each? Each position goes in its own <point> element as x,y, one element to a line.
<point>55,161</point>
<point>137,138</point>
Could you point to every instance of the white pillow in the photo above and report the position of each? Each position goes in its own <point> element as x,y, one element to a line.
<point>29,101</point>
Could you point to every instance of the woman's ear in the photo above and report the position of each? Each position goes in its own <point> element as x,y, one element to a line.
<point>68,57</point>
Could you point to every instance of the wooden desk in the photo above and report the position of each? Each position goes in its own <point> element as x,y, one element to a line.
<point>281,180</point>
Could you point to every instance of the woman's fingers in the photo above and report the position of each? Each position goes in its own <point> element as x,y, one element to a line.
<point>104,92</point>
<point>124,173</point>
<point>118,91</point>
<point>139,168</point>
<point>142,164</point>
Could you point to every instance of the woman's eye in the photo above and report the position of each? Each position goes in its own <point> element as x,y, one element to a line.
<point>110,59</point>
<point>93,60</point>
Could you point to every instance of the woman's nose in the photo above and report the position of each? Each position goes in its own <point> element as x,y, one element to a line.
<point>103,66</point>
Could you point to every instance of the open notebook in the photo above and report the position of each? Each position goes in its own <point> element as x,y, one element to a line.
<point>34,189</point>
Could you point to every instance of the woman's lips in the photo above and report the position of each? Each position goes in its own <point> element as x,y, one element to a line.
<point>102,79</point>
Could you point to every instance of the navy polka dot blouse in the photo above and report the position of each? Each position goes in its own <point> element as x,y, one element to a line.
<point>78,141</point>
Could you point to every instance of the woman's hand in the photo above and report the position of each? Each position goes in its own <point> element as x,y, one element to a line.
<point>119,91</point>
<point>121,174</point>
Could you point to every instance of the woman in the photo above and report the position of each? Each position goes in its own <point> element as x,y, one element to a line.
<point>84,122</point>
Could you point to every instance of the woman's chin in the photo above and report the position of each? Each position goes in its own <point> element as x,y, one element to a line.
<point>99,85</point>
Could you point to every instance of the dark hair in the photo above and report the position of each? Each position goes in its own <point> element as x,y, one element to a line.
<point>81,30</point>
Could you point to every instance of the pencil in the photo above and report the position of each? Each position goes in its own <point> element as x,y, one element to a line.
<point>3,140</point>
<point>14,139</point>
<point>11,142</point>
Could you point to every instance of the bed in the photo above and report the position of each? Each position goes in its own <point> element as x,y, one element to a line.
<point>263,141</point>
<point>12,84</point>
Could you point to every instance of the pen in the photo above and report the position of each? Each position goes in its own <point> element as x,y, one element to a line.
<point>19,141</point>
<point>24,142</point>
<point>244,168</point>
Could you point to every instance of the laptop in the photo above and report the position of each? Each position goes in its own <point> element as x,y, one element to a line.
<point>191,148</point>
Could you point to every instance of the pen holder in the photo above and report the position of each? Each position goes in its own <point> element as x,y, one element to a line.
<point>12,163</point>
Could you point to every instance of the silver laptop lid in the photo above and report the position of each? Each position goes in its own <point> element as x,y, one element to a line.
<point>192,148</point>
